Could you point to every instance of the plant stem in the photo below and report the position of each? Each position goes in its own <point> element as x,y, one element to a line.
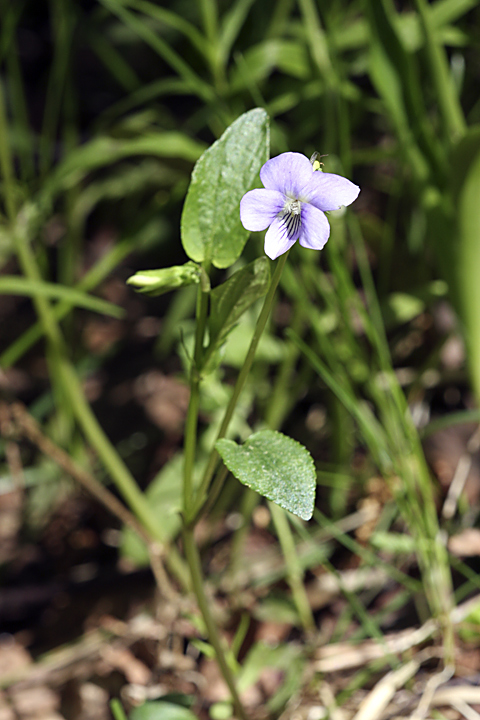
<point>194,402</point>
<point>117,709</point>
<point>112,461</point>
<point>6,160</point>
<point>450,108</point>
<point>279,401</point>
<point>193,560</point>
<point>190,440</point>
<point>239,385</point>
<point>214,491</point>
<point>27,425</point>
<point>294,571</point>
<point>89,281</point>
<point>71,386</point>
<point>21,229</point>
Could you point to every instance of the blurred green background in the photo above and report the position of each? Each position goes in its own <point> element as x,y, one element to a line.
<point>104,108</point>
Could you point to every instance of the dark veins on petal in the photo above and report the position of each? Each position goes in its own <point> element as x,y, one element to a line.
<point>291,224</point>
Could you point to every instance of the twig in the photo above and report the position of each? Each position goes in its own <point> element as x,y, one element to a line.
<point>460,476</point>
<point>465,710</point>
<point>378,699</point>
<point>431,687</point>
<point>342,656</point>
<point>462,693</point>
<point>25,425</point>
<point>328,699</point>
<point>15,419</point>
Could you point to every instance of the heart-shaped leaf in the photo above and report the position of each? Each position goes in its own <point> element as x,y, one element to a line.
<point>211,228</point>
<point>276,466</point>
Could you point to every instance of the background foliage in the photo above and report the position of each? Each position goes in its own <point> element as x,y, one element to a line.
<point>104,108</point>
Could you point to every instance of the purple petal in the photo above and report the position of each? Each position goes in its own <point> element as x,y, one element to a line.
<point>288,173</point>
<point>315,228</point>
<point>277,240</point>
<point>259,207</point>
<point>327,191</point>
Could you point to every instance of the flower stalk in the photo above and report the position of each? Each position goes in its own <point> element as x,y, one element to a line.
<point>239,385</point>
<point>194,402</point>
<point>193,560</point>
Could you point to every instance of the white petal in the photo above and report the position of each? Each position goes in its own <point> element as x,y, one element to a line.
<point>259,207</point>
<point>327,191</point>
<point>315,228</point>
<point>288,173</point>
<point>277,241</point>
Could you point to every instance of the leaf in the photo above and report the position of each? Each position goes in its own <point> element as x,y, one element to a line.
<point>160,710</point>
<point>395,543</point>
<point>448,11</point>
<point>271,349</point>
<point>444,219</point>
<point>152,37</point>
<point>401,308</point>
<point>14,285</point>
<point>158,282</point>
<point>394,73</point>
<point>164,495</point>
<point>287,659</point>
<point>232,298</point>
<point>103,151</point>
<point>276,466</point>
<point>211,228</point>
<point>261,60</point>
<point>173,20</point>
<point>463,155</point>
<point>232,23</point>
<point>469,265</point>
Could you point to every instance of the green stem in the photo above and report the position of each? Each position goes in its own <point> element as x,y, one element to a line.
<point>62,28</point>
<point>193,560</point>
<point>452,114</point>
<point>149,35</point>
<point>90,280</point>
<point>191,422</point>
<point>317,39</point>
<point>248,362</point>
<point>210,20</point>
<point>190,442</point>
<point>6,161</point>
<point>294,571</point>
<point>72,389</point>
<point>111,460</point>
<point>249,502</point>
<point>209,10</point>
<point>14,80</point>
<point>239,385</point>
<point>117,709</point>
<point>214,492</point>
<point>280,400</point>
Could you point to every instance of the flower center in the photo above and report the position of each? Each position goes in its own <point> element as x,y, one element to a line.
<point>291,217</point>
<point>293,206</point>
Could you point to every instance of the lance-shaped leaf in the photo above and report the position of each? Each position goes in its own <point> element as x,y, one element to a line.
<point>211,227</point>
<point>14,285</point>
<point>232,298</point>
<point>468,268</point>
<point>276,466</point>
<point>158,282</point>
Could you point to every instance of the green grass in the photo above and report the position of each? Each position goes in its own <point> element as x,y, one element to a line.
<point>391,98</point>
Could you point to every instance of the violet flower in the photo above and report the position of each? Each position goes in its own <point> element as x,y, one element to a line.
<point>293,203</point>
